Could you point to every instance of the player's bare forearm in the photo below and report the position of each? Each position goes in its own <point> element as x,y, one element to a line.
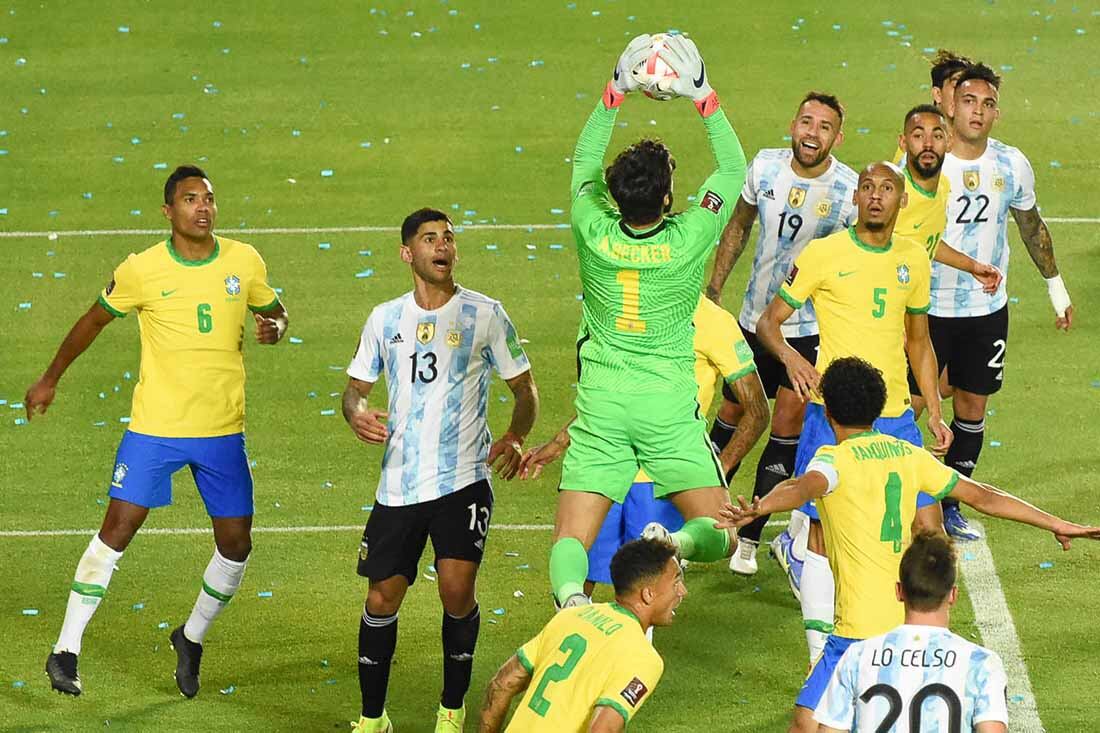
<point>753,422</point>
<point>948,255</point>
<point>732,243</point>
<point>1036,237</point>
<point>510,680</point>
<point>996,503</point>
<point>526,408</point>
<point>769,331</point>
<point>79,338</point>
<point>922,359</point>
<point>606,720</point>
<point>793,493</point>
<point>355,391</point>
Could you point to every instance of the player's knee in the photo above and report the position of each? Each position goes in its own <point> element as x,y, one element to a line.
<point>458,598</point>
<point>382,603</point>
<point>236,548</point>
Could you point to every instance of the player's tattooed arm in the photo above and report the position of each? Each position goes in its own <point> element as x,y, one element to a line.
<point>368,423</point>
<point>510,680</point>
<point>506,452</point>
<point>1036,237</point>
<point>750,395</point>
<point>732,243</point>
<point>80,337</point>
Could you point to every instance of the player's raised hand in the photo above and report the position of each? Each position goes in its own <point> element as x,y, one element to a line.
<point>623,78</point>
<point>803,376</point>
<point>39,397</point>
<point>1069,531</point>
<point>989,276</point>
<point>504,456</point>
<point>268,330</point>
<point>369,424</point>
<point>735,517</point>
<point>942,433</point>
<point>683,57</point>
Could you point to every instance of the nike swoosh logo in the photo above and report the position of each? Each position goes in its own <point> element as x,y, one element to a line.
<point>615,76</point>
<point>846,274</point>
<point>166,293</point>
<point>702,73</point>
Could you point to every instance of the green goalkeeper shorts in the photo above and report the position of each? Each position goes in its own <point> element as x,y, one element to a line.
<point>615,433</point>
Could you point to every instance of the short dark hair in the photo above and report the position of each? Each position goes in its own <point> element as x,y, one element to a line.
<point>923,109</point>
<point>928,571</point>
<point>829,100</point>
<point>639,180</point>
<point>854,391</point>
<point>982,72</point>
<point>637,561</point>
<point>412,222</point>
<point>180,173</point>
<point>946,64</point>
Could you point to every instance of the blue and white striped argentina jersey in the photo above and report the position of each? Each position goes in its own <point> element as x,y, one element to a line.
<point>438,365</point>
<point>914,679</point>
<point>982,192</point>
<point>791,211</point>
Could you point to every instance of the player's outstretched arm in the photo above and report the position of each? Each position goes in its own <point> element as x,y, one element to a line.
<point>996,503</point>
<point>606,720</point>
<point>1036,236</point>
<point>533,461</point>
<point>271,325</point>
<point>510,680</point>
<point>730,246</point>
<point>505,454</point>
<point>368,423</point>
<point>788,495</point>
<point>926,370</point>
<point>804,377</point>
<point>80,337</point>
<point>754,419</point>
<point>988,275</point>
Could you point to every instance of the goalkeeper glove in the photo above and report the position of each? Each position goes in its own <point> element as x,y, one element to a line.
<point>682,56</point>
<point>623,80</point>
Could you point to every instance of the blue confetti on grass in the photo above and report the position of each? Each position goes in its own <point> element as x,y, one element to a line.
<point>1045,565</point>
<point>498,611</point>
<point>20,421</point>
<point>364,274</point>
<point>124,29</point>
<point>228,690</point>
<point>994,444</point>
<point>162,625</point>
<point>137,606</point>
<point>324,245</point>
<point>124,420</point>
<point>18,684</point>
<point>328,413</point>
<point>968,556</point>
<point>295,340</point>
<point>327,173</point>
<point>264,594</point>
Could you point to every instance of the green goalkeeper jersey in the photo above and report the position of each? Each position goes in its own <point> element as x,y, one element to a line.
<point>641,287</point>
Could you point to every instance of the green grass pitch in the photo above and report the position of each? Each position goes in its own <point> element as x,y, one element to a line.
<point>473,107</point>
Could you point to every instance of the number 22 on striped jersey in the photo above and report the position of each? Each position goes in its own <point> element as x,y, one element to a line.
<point>630,321</point>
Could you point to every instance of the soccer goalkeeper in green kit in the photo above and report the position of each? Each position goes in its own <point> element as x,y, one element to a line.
<point>641,273</point>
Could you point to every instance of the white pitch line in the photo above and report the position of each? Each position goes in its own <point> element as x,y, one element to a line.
<point>994,622</point>
<point>364,229</point>
<point>10,533</point>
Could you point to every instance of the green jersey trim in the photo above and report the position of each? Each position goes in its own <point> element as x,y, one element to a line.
<point>742,373</point>
<point>609,703</point>
<point>918,311</point>
<point>947,489</point>
<point>822,626</point>
<point>646,234</point>
<point>524,661</point>
<point>923,191</point>
<point>107,307</point>
<point>626,611</point>
<point>89,589</point>
<point>790,299</point>
<point>216,595</point>
<point>193,263</point>
<point>869,247</point>
<point>264,308</point>
<point>865,434</point>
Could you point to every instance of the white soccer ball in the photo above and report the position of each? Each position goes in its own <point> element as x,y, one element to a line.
<point>655,75</point>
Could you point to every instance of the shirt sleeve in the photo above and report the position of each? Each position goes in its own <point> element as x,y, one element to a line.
<point>630,683</point>
<point>505,351</point>
<point>590,199</point>
<point>528,654</point>
<point>748,191</point>
<point>936,479</point>
<point>920,295</point>
<point>366,365</point>
<point>805,277</point>
<point>990,691</point>
<point>1023,198</point>
<point>837,708</point>
<point>261,296</point>
<point>824,462</point>
<point>708,215</point>
<point>123,293</point>
<point>725,347</point>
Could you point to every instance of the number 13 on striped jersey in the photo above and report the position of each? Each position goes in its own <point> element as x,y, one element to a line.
<point>630,321</point>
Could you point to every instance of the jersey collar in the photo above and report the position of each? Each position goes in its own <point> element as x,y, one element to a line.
<point>642,235</point>
<point>857,242</point>
<point>626,611</point>
<point>866,433</point>
<point>193,263</point>
<point>920,189</point>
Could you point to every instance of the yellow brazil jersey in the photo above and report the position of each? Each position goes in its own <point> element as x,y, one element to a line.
<point>899,157</point>
<point>193,316</point>
<point>586,657</point>
<point>721,352</point>
<point>924,218</point>
<point>861,295</point>
<point>867,516</point>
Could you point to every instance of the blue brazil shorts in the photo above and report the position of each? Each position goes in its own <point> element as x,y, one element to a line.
<point>624,523</point>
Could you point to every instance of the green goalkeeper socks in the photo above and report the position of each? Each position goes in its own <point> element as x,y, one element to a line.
<point>699,541</point>
<point>568,568</point>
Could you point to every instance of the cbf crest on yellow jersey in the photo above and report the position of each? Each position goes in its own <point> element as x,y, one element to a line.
<point>867,515</point>
<point>924,218</point>
<point>193,316</point>
<point>586,657</point>
<point>861,295</point>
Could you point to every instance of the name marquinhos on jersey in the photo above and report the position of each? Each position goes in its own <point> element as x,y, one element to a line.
<point>636,254</point>
<point>881,450</point>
